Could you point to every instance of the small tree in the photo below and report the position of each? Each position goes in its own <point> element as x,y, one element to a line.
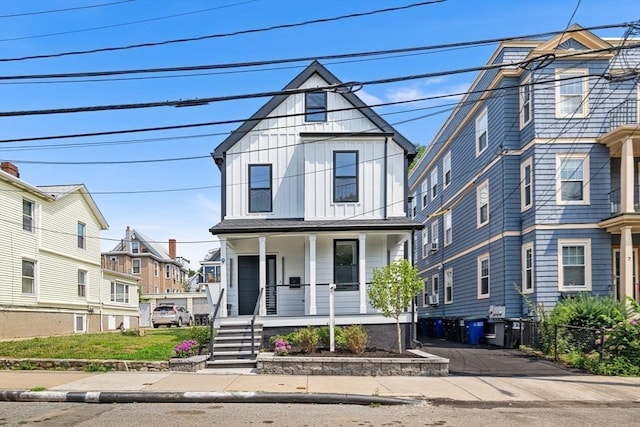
<point>392,289</point>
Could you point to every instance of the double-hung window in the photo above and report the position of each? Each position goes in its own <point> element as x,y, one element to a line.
<point>425,193</point>
<point>448,286</point>
<point>315,106</point>
<point>571,93</point>
<point>156,268</point>
<point>446,170</point>
<point>136,265</point>
<point>527,268</point>
<point>434,183</point>
<point>448,229</point>
<point>82,283</point>
<point>260,188</point>
<point>345,265</point>
<point>27,215</point>
<point>345,176</point>
<point>82,235</point>
<point>435,284</point>
<point>119,292</point>
<point>526,185</point>
<point>482,133</point>
<point>574,264</point>
<point>525,103</point>
<point>425,242</point>
<point>434,235</point>
<point>482,200</point>
<point>135,247</point>
<point>28,276</point>
<point>425,293</point>
<point>572,184</point>
<point>483,276</point>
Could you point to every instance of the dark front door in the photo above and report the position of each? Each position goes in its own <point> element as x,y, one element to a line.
<point>248,283</point>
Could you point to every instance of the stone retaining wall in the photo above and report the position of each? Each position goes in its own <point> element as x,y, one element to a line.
<point>424,364</point>
<point>84,364</point>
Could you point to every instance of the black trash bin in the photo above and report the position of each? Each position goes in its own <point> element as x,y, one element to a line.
<point>422,327</point>
<point>512,329</point>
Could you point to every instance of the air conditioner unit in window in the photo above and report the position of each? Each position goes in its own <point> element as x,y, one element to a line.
<point>433,299</point>
<point>434,246</point>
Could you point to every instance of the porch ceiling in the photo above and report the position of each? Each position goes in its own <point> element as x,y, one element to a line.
<point>616,223</point>
<point>614,139</point>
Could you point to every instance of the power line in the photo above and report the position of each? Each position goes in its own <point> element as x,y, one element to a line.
<point>42,12</point>
<point>235,33</point>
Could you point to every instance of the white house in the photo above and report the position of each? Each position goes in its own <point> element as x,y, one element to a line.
<point>51,281</point>
<point>314,192</point>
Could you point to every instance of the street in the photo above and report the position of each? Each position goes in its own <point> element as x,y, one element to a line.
<point>566,414</point>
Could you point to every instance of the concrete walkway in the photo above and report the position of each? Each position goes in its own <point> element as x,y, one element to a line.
<point>56,386</point>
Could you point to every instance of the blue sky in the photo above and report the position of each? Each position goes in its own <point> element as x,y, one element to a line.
<point>120,190</point>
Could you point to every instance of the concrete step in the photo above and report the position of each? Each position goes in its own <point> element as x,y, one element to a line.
<point>231,363</point>
<point>233,354</point>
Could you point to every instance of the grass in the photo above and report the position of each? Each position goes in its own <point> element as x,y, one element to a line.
<point>154,345</point>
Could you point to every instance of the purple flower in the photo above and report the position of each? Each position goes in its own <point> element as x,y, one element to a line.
<point>185,349</point>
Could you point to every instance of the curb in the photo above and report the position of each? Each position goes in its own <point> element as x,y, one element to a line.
<point>199,397</point>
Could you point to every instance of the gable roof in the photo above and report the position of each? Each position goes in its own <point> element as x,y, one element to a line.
<point>314,68</point>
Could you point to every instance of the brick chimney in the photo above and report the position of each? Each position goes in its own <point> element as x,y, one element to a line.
<point>10,168</point>
<point>172,248</point>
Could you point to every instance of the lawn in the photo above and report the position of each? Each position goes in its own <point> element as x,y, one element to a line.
<point>154,345</point>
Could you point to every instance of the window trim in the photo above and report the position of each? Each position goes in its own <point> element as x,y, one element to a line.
<point>525,105</point>
<point>83,285</point>
<point>33,278</point>
<point>526,248</point>
<point>426,244</point>
<point>133,267</point>
<point>482,117</point>
<point>156,268</point>
<point>584,103</point>
<point>426,286</point>
<point>480,260</point>
<point>310,112</point>
<point>424,195</point>
<point>448,285</point>
<point>114,293</point>
<point>523,185</point>
<point>251,188</point>
<point>435,280</point>
<point>135,247</point>
<point>434,233</point>
<point>351,286</point>
<point>447,219</point>
<point>356,176</point>
<point>32,216</point>
<point>82,235</point>
<point>434,183</point>
<point>585,179</point>
<point>77,316</point>
<point>587,264</point>
<point>482,186</point>
<point>446,170</point>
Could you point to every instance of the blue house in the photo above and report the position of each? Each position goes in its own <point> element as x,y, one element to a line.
<point>529,191</point>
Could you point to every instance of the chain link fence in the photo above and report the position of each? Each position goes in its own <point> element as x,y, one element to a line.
<point>557,339</point>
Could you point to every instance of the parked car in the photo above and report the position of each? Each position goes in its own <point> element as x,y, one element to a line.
<point>171,315</point>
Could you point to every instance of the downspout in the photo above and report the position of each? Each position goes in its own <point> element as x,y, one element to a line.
<point>384,179</point>
<point>100,296</point>
<point>223,187</point>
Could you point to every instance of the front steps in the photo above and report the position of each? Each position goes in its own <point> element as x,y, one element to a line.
<point>232,346</point>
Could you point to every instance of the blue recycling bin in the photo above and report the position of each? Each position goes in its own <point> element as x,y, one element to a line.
<point>475,330</point>
<point>438,327</point>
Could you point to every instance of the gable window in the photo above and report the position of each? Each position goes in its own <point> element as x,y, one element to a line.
<point>259,188</point>
<point>482,200</point>
<point>82,235</point>
<point>526,182</point>
<point>345,176</point>
<point>82,283</point>
<point>135,247</point>
<point>448,229</point>
<point>434,235</point>
<point>525,103</point>
<point>527,268</point>
<point>119,292</point>
<point>572,187</point>
<point>28,276</point>
<point>315,106</point>
<point>27,215</point>
<point>136,263</point>
<point>574,264</point>
<point>425,193</point>
<point>425,243</point>
<point>345,265</point>
<point>448,286</point>
<point>483,276</point>
<point>482,133</point>
<point>446,170</point>
<point>434,183</point>
<point>571,93</point>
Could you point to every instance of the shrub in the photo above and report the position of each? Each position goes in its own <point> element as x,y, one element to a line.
<point>356,338</point>
<point>96,367</point>
<point>186,348</point>
<point>339,339</point>
<point>307,339</point>
<point>281,347</point>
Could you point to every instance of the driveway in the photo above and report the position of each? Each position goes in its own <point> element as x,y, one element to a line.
<point>485,360</point>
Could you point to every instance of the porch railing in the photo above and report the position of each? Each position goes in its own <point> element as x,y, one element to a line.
<point>213,320</point>
<point>615,199</point>
<point>625,113</point>
<point>253,323</point>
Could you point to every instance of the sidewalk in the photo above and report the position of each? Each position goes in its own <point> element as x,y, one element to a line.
<point>208,385</point>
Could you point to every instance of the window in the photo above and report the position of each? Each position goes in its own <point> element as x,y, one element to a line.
<point>212,273</point>
<point>572,187</point>
<point>82,283</point>
<point>259,188</point>
<point>482,130</point>
<point>315,106</point>
<point>525,103</point>
<point>571,93</point>
<point>425,293</point>
<point>574,265</point>
<point>526,182</point>
<point>135,247</point>
<point>413,204</point>
<point>27,215</point>
<point>82,235</point>
<point>527,268</point>
<point>434,235</point>
<point>119,292</point>
<point>434,183</point>
<point>435,284</point>
<point>167,271</point>
<point>345,176</point>
<point>425,193</point>
<point>79,323</point>
<point>448,229</point>
<point>482,200</point>
<point>446,169</point>
<point>448,286</point>
<point>28,276</point>
<point>425,242</point>
<point>136,263</point>
<point>156,268</point>
<point>345,263</point>
<point>483,276</point>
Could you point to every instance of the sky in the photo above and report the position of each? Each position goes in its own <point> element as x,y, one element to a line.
<point>165,183</point>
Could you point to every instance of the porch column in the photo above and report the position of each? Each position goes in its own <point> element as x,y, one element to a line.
<point>626,264</point>
<point>362,271</point>
<point>224,264</point>
<point>626,177</point>
<point>312,275</point>
<point>262,277</point>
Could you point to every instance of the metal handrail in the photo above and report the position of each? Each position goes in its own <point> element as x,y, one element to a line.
<point>253,323</point>
<point>213,320</point>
